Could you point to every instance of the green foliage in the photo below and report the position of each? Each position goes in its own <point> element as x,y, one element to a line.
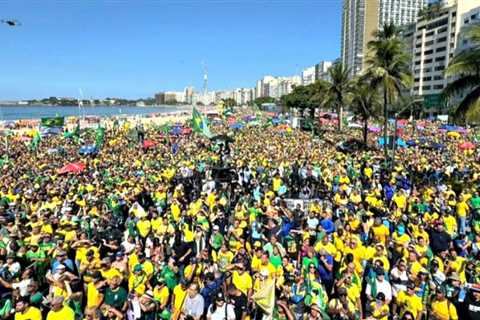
<point>259,101</point>
<point>465,69</point>
<point>228,103</point>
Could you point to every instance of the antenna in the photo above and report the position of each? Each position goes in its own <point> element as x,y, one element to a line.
<point>205,79</point>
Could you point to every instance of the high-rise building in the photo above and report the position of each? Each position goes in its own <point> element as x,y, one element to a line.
<point>188,93</point>
<point>434,43</point>
<point>321,70</point>
<point>361,18</point>
<point>308,76</point>
<point>160,98</point>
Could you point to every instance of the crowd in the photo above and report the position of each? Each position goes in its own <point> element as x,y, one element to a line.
<point>256,223</point>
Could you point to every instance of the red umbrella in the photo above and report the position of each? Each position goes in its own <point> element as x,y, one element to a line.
<point>147,144</point>
<point>467,146</point>
<point>186,131</point>
<point>75,167</point>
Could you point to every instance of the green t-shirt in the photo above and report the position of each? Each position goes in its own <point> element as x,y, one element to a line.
<point>115,298</point>
<point>475,202</point>
<point>217,241</point>
<point>276,261</point>
<point>39,254</point>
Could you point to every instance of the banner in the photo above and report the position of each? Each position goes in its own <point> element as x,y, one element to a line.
<point>52,122</point>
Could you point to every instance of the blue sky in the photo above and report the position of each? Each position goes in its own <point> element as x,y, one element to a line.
<point>137,47</point>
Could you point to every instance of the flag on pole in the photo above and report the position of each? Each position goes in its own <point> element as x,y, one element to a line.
<point>99,136</point>
<point>265,297</point>
<point>35,141</point>
<point>200,123</point>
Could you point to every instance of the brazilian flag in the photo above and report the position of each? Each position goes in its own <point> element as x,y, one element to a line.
<point>200,123</point>
<point>99,136</point>
<point>51,122</point>
<point>35,141</point>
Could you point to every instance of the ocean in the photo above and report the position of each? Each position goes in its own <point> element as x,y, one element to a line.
<point>8,113</point>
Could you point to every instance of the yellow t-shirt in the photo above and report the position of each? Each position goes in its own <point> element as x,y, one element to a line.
<point>94,298</point>
<point>242,282</point>
<point>444,310</point>
<point>410,303</point>
<point>144,227</point>
<point>179,295</point>
<point>66,313</point>
<point>111,273</point>
<point>161,295</point>
<point>137,283</point>
<point>31,314</point>
<point>378,311</point>
<point>381,232</point>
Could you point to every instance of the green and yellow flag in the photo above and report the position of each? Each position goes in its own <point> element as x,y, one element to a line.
<point>200,123</point>
<point>35,140</point>
<point>265,297</point>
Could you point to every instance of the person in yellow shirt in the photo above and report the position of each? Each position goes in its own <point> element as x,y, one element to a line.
<point>144,226</point>
<point>441,308</point>
<point>379,309</point>
<point>179,294</point>
<point>242,280</point>
<point>108,272</point>
<point>59,311</point>
<point>161,294</point>
<point>137,280</point>
<point>462,209</point>
<point>408,301</point>
<point>380,231</point>
<point>23,311</point>
<point>94,297</point>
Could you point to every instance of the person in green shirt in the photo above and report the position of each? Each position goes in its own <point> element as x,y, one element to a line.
<point>116,296</point>
<point>216,239</point>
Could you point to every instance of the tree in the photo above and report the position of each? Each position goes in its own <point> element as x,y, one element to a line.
<point>388,69</point>
<point>229,103</point>
<point>338,88</point>
<point>261,100</point>
<point>465,69</point>
<point>365,104</point>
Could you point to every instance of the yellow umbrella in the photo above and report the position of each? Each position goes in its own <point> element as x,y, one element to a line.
<point>453,134</point>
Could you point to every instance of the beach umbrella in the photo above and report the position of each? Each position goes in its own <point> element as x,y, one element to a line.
<point>236,126</point>
<point>411,143</point>
<point>75,167</point>
<point>186,131</point>
<point>147,144</point>
<point>176,130</point>
<point>453,134</point>
<point>466,146</point>
<point>87,150</point>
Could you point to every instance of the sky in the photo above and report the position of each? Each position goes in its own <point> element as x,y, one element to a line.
<point>135,48</point>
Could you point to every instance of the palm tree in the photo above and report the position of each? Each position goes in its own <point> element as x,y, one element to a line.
<point>465,68</point>
<point>388,69</point>
<point>365,104</point>
<point>337,88</point>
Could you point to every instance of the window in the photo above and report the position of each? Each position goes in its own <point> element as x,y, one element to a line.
<point>417,79</point>
<point>440,68</point>
<point>429,43</point>
<point>440,59</point>
<point>427,78</point>
<point>430,33</point>
<point>428,52</point>
<point>441,49</point>
<point>438,87</point>
<point>417,63</point>
<point>437,77</point>
<point>426,87</point>
<point>427,61</point>
<point>442,30</point>
<point>426,70</point>
<point>416,88</point>
<point>418,45</point>
<point>418,54</point>
<point>443,39</point>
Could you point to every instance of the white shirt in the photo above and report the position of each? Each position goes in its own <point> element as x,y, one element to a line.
<point>219,313</point>
<point>383,287</point>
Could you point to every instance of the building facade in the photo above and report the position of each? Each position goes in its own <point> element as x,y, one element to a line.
<point>434,42</point>
<point>308,76</point>
<point>360,20</point>
<point>321,70</point>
